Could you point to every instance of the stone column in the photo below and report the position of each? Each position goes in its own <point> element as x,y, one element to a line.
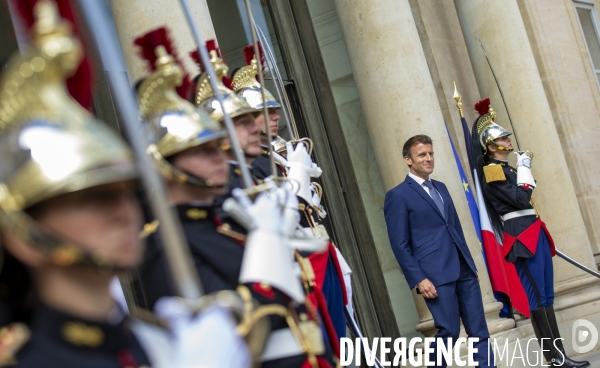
<point>570,83</point>
<point>500,27</point>
<point>399,101</point>
<point>136,17</point>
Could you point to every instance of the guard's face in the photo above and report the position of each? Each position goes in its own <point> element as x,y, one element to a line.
<point>504,142</point>
<point>248,133</point>
<point>207,161</point>
<point>421,161</point>
<point>105,220</point>
<point>274,118</point>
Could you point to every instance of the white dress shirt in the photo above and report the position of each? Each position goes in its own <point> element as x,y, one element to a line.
<point>420,181</point>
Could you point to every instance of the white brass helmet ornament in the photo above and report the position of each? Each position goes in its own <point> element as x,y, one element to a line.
<point>49,144</point>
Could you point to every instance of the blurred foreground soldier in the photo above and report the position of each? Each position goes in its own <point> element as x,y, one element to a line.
<point>187,147</point>
<point>329,270</point>
<point>526,240</point>
<point>428,241</point>
<point>69,220</point>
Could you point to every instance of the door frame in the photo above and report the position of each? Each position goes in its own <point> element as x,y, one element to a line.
<point>306,71</point>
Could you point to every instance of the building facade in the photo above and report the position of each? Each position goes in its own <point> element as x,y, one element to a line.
<point>363,76</point>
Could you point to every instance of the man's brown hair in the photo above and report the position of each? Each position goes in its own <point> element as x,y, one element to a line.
<point>413,141</point>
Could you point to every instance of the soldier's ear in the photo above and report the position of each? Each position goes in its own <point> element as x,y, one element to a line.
<point>23,252</point>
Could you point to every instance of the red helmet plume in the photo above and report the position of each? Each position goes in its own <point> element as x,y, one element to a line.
<point>80,83</point>
<point>249,55</point>
<point>482,107</point>
<point>211,45</point>
<point>147,51</point>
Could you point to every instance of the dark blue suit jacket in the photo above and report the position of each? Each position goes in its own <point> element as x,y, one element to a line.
<point>425,243</point>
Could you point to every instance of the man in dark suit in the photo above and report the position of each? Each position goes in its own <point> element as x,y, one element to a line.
<point>429,244</point>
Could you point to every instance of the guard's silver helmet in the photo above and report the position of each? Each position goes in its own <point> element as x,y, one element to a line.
<point>174,124</point>
<point>49,144</point>
<point>487,129</point>
<point>205,99</point>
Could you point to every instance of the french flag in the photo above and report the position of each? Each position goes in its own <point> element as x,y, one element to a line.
<point>503,275</point>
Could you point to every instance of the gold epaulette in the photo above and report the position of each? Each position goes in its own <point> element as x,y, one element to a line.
<point>493,172</point>
<point>12,338</point>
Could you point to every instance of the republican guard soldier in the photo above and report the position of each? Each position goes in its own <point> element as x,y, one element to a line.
<point>526,240</point>
<point>69,219</point>
<point>329,267</point>
<point>187,147</point>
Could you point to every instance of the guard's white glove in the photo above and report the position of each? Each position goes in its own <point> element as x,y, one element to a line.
<point>268,257</point>
<point>301,169</point>
<point>213,329</point>
<point>265,212</point>
<point>524,175</point>
<point>317,203</point>
<point>290,215</point>
<point>279,158</point>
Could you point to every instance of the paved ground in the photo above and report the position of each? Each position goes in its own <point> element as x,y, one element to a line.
<point>593,358</point>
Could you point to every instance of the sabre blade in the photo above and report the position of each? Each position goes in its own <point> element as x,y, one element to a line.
<point>577,264</point>
<point>279,86</point>
<point>261,80</point>
<point>501,93</point>
<point>212,78</point>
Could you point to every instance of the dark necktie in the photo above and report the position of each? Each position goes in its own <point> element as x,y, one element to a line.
<point>435,195</point>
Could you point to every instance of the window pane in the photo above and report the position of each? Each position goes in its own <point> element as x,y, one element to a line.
<point>591,37</point>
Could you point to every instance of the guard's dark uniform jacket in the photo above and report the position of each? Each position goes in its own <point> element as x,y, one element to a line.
<point>235,181</point>
<point>59,340</point>
<point>261,166</point>
<point>520,233</point>
<point>330,293</point>
<point>217,252</point>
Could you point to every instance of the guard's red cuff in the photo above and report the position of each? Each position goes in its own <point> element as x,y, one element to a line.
<point>264,289</point>
<point>527,186</point>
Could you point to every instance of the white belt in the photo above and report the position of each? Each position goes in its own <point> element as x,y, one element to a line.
<point>515,214</point>
<point>281,344</point>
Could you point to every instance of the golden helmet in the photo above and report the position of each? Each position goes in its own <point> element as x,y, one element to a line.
<point>244,82</point>
<point>174,124</point>
<point>487,129</point>
<point>49,144</point>
<point>204,96</point>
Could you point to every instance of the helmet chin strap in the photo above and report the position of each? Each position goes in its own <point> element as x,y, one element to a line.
<point>181,176</point>
<point>226,147</point>
<point>186,177</point>
<point>247,155</point>
<point>501,148</point>
<point>58,250</point>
